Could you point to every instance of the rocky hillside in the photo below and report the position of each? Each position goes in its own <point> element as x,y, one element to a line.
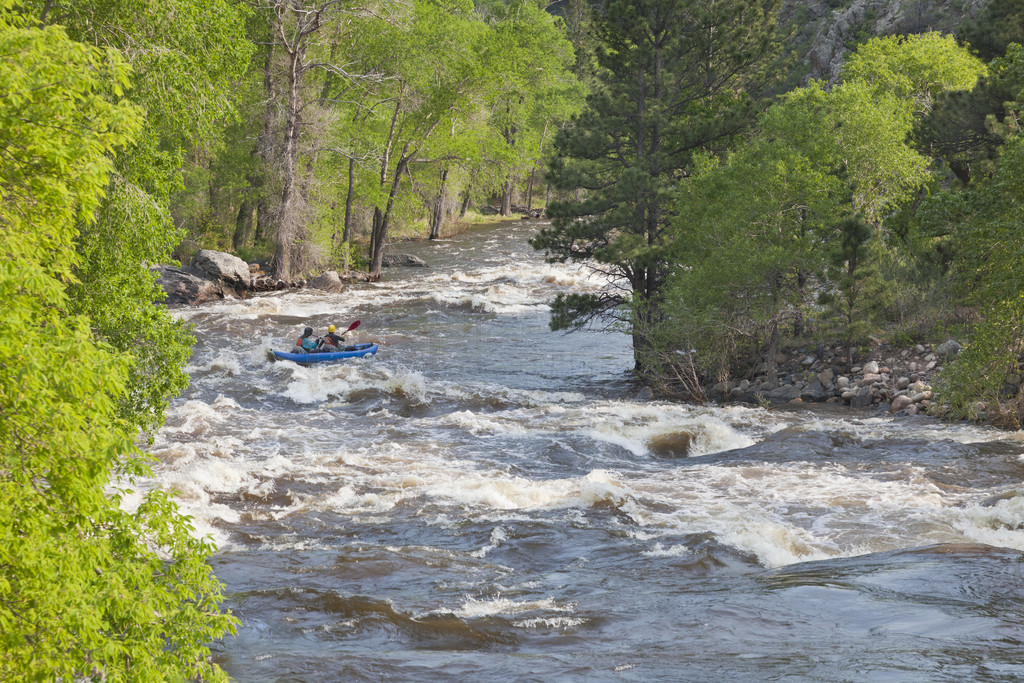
<point>824,31</point>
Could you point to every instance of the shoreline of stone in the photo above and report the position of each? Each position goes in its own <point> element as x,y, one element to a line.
<point>214,275</point>
<point>895,378</point>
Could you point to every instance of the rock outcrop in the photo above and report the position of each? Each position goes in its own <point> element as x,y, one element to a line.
<point>215,275</point>
<point>838,30</point>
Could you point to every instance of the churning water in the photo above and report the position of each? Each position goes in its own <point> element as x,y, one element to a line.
<point>488,500</point>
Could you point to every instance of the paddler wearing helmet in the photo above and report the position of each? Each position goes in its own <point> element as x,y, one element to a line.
<point>331,341</point>
<point>306,343</point>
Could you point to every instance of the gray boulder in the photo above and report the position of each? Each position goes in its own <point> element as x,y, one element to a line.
<point>900,402</point>
<point>947,348</point>
<point>784,394</point>
<point>185,286</point>
<point>814,392</point>
<point>227,268</point>
<point>330,281</point>
<point>403,260</point>
<point>864,398</point>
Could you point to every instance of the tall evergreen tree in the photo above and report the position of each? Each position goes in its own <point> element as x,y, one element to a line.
<point>672,77</point>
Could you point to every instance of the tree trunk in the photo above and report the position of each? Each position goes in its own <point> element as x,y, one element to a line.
<point>533,171</point>
<point>382,220</point>
<point>348,200</point>
<point>773,349</point>
<point>264,150</point>
<point>798,322</point>
<point>437,214</point>
<point>287,221</point>
<point>506,198</point>
<point>465,202</point>
<point>264,220</point>
<point>243,225</point>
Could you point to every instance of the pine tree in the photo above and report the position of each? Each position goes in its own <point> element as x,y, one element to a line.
<point>672,78</point>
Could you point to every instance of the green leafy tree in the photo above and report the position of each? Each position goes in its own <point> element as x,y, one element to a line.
<point>533,88</point>
<point>184,56</point>
<point>748,234</point>
<point>989,256</point>
<point>90,591</point>
<point>753,231</point>
<point>434,87</point>
<point>763,227</point>
<point>671,78</point>
<point>915,68</point>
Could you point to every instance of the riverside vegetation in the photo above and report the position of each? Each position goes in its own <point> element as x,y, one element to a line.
<point>741,218</point>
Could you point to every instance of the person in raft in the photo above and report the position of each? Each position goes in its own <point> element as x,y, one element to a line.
<point>331,342</point>
<point>306,343</point>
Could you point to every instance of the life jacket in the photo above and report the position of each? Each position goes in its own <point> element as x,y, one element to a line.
<point>308,343</point>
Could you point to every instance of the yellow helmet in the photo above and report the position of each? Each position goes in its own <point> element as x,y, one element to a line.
<point>330,328</point>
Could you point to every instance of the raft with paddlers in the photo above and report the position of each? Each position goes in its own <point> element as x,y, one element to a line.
<point>353,351</point>
<point>309,349</point>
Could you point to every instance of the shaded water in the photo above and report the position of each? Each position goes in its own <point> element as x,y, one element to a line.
<point>487,500</point>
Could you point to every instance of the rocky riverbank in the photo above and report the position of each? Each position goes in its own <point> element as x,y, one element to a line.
<point>890,378</point>
<point>213,275</point>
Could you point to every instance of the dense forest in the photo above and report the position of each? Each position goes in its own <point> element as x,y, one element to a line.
<point>738,206</point>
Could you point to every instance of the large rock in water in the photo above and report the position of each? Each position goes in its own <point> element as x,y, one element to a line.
<point>407,260</point>
<point>329,282</point>
<point>227,268</point>
<point>671,445</point>
<point>184,286</point>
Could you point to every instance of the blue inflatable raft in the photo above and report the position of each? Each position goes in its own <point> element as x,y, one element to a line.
<point>354,351</point>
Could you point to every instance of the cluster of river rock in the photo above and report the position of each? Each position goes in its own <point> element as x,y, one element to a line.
<point>897,379</point>
<point>215,275</point>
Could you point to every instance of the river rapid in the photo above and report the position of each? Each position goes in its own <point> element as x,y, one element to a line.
<point>489,500</point>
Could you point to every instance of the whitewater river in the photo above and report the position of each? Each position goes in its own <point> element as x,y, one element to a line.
<point>489,500</point>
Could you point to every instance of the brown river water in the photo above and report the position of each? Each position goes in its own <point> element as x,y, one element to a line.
<point>487,500</point>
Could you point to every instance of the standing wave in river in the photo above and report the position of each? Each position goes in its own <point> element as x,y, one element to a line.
<point>488,500</point>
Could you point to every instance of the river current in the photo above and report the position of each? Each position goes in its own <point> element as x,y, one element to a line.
<point>489,500</point>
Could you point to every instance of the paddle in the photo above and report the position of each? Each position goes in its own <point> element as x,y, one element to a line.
<point>350,328</point>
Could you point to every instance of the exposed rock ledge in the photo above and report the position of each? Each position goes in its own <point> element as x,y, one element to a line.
<point>216,275</point>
